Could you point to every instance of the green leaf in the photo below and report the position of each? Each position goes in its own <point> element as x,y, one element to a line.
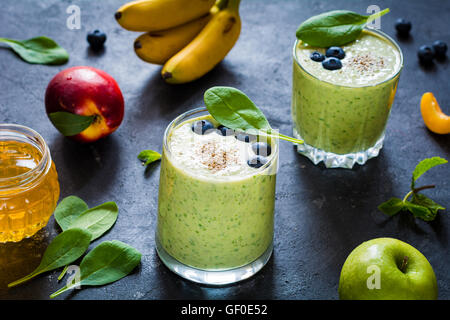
<point>68,210</point>
<point>334,28</point>
<point>70,124</point>
<point>424,166</point>
<point>97,220</point>
<point>149,156</point>
<point>420,212</point>
<point>64,249</point>
<point>108,262</point>
<point>40,50</point>
<point>392,206</point>
<point>424,201</point>
<point>233,109</point>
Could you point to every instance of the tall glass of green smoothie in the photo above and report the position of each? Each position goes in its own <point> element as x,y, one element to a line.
<point>216,200</point>
<point>341,114</point>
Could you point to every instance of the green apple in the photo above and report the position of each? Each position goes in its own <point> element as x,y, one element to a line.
<point>387,269</point>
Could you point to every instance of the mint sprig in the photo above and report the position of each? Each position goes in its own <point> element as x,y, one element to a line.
<point>148,156</point>
<point>420,205</point>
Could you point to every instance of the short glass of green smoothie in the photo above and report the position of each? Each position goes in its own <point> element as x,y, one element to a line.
<point>216,200</point>
<point>342,114</point>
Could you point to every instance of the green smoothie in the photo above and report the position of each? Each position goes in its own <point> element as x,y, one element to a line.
<point>345,111</point>
<point>214,214</point>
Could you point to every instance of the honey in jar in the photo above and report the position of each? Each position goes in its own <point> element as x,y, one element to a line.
<point>29,188</point>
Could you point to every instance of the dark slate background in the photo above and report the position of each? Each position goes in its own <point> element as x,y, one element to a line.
<point>321,214</point>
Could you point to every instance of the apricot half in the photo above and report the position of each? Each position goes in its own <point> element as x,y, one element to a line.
<point>434,118</point>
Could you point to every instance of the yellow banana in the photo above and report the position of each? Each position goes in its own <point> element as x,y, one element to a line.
<point>207,49</point>
<point>159,46</point>
<point>154,15</point>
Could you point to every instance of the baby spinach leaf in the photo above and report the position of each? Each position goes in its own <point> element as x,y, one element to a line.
<point>108,262</point>
<point>39,50</point>
<point>68,210</point>
<point>70,124</point>
<point>97,220</point>
<point>149,156</point>
<point>64,249</point>
<point>334,28</point>
<point>233,109</point>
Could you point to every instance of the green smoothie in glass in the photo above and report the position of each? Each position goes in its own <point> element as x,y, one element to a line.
<point>341,114</point>
<point>216,202</point>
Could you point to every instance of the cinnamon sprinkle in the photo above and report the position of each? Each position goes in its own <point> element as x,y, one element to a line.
<point>366,63</point>
<point>216,158</point>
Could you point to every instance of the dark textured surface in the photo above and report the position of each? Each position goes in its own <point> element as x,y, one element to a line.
<point>321,215</point>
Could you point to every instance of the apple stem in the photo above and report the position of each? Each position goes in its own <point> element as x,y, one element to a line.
<point>404,263</point>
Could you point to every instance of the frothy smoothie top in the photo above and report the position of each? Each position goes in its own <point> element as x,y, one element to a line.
<point>210,154</point>
<point>369,60</point>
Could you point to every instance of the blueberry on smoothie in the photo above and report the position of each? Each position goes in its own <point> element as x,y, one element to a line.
<point>336,52</point>
<point>403,27</point>
<point>261,149</point>
<point>440,48</point>
<point>245,137</point>
<point>317,56</point>
<point>256,161</point>
<point>332,63</point>
<point>425,54</point>
<point>96,39</point>
<point>202,126</point>
<point>225,131</point>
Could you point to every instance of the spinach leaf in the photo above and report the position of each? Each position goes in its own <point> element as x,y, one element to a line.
<point>70,124</point>
<point>39,50</point>
<point>233,109</point>
<point>97,220</point>
<point>334,28</point>
<point>64,249</point>
<point>68,210</point>
<point>108,262</point>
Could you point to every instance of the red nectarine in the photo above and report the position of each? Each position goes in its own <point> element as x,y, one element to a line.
<point>86,91</point>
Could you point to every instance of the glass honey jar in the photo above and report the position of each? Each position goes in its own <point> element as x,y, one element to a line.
<point>29,188</point>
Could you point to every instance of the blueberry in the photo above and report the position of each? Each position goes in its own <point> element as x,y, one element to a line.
<point>96,39</point>
<point>256,161</point>
<point>403,27</point>
<point>336,52</point>
<point>262,149</point>
<point>425,54</point>
<point>202,126</point>
<point>332,63</point>
<point>225,131</point>
<point>245,137</point>
<point>440,48</point>
<point>317,56</point>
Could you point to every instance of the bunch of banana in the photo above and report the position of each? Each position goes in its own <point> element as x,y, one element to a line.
<point>188,37</point>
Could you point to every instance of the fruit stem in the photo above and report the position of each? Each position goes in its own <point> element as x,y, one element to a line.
<point>233,5</point>
<point>415,190</point>
<point>404,263</point>
<point>221,4</point>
